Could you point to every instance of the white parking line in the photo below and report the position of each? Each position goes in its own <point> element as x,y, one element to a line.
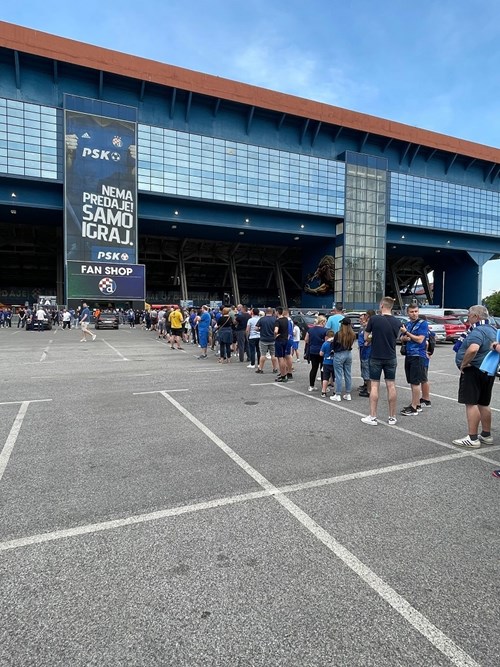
<point>29,363</point>
<point>157,391</point>
<point>33,400</point>
<point>14,432</point>
<point>127,521</point>
<point>12,437</point>
<point>88,529</point>
<point>417,620</point>
<point>208,370</point>
<point>338,406</point>
<point>46,350</point>
<point>446,398</point>
<point>115,350</point>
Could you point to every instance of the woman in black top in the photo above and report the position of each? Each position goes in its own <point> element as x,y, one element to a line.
<point>314,339</point>
<point>225,328</point>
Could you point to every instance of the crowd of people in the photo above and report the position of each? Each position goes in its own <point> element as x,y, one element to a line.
<point>255,336</point>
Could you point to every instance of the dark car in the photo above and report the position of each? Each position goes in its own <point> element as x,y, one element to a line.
<point>304,322</point>
<point>32,324</point>
<point>107,321</point>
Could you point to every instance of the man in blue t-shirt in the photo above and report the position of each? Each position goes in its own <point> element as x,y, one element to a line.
<point>414,335</point>
<point>203,321</point>
<point>84,319</point>
<point>333,322</point>
<point>475,386</point>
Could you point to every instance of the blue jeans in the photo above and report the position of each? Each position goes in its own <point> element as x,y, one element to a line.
<point>253,347</point>
<point>342,363</point>
<point>225,340</point>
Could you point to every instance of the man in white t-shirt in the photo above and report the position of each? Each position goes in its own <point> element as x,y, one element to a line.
<point>296,343</point>
<point>66,319</point>
<point>253,336</point>
<point>41,318</point>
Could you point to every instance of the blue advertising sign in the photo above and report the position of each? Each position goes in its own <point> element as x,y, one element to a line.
<point>100,188</point>
<point>98,280</point>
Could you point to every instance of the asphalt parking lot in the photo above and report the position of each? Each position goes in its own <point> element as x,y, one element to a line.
<point>157,509</point>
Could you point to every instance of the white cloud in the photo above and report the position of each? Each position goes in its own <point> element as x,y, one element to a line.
<point>290,70</point>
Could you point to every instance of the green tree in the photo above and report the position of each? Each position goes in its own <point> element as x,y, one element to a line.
<point>492,303</point>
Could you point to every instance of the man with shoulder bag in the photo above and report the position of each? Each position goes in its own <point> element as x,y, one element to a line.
<point>414,337</point>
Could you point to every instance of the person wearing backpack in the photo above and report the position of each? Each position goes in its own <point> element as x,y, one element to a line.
<point>414,336</point>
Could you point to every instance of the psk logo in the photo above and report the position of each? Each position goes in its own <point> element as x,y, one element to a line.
<point>107,286</point>
<point>117,141</point>
<point>124,257</point>
<point>115,157</point>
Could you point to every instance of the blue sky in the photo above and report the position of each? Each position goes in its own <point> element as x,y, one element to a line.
<point>434,65</point>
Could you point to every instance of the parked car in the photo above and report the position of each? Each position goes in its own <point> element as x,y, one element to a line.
<point>107,320</point>
<point>304,322</point>
<point>437,328</point>
<point>453,326</point>
<point>32,324</point>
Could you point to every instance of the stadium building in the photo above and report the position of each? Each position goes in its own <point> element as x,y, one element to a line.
<point>119,174</point>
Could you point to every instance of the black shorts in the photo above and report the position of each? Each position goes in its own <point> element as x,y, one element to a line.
<point>176,332</point>
<point>475,387</point>
<point>415,370</point>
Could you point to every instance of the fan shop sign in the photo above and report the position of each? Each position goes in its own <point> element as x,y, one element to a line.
<point>98,280</point>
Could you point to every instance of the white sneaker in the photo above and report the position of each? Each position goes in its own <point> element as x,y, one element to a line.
<point>251,366</point>
<point>392,420</point>
<point>268,355</point>
<point>336,397</point>
<point>94,337</point>
<point>371,421</point>
<point>312,389</point>
<point>347,397</point>
<point>467,443</point>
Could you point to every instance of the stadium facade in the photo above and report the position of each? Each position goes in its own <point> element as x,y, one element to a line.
<point>119,174</point>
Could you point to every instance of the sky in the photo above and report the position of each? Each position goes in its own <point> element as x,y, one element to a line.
<point>434,65</point>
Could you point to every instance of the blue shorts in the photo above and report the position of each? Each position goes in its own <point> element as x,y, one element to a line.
<point>387,365</point>
<point>295,345</point>
<point>282,348</point>
<point>203,337</point>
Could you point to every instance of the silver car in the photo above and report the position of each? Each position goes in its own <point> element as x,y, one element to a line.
<point>437,329</point>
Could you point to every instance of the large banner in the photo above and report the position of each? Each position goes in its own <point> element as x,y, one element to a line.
<point>106,282</point>
<point>100,189</point>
